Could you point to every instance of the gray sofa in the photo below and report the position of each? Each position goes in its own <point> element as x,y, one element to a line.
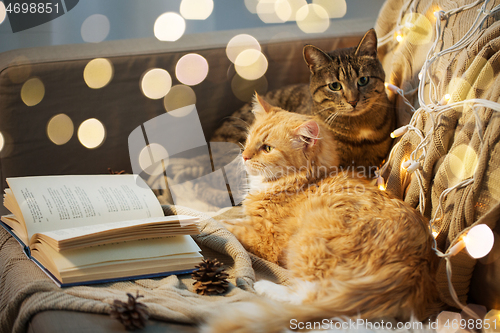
<point>121,107</point>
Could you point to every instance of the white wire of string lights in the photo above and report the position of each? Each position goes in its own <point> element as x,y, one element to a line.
<point>477,236</point>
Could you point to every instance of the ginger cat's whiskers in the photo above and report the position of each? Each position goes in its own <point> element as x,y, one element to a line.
<point>351,249</point>
<point>346,90</point>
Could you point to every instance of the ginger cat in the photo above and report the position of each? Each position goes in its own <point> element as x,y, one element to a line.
<point>351,248</point>
<point>346,90</point>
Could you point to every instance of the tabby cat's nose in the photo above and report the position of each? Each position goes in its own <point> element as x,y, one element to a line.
<point>353,103</point>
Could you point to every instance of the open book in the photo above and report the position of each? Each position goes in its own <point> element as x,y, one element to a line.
<point>97,228</point>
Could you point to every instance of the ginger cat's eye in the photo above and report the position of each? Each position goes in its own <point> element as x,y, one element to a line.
<point>267,148</point>
<point>335,86</point>
<point>363,81</point>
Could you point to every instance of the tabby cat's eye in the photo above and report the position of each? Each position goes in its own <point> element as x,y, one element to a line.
<point>363,81</point>
<point>335,86</point>
<point>267,148</point>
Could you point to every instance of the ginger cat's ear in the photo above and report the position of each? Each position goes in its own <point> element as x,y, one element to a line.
<point>308,132</point>
<point>368,45</point>
<point>260,106</point>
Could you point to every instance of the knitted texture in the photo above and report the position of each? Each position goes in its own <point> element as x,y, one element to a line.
<point>463,144</point>
<point>26,290</point>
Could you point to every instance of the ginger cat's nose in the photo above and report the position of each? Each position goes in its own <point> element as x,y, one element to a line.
<point>246,156</point>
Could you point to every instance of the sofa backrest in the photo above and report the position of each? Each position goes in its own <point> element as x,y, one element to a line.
<point>38,84</point>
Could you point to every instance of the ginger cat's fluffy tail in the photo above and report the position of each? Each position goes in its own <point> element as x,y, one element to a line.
<point>361,298</point>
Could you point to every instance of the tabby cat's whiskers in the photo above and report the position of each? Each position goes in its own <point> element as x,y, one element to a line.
<point>346,89</point>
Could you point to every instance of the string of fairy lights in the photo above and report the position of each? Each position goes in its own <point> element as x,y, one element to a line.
<point>479,240</point>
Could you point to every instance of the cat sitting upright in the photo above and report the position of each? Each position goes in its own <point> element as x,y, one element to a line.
<point>352,249</point>
<point>347,91</point>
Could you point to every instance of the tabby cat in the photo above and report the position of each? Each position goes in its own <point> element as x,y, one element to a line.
<point>347,91</point>
<point>351,248</point>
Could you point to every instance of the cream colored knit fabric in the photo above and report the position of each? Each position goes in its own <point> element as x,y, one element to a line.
<point>458,141</point>
<point>462,145</point>
<point>27,290</point>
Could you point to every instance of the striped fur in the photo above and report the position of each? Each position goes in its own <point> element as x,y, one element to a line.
<point>362,131</point>
<point>352,250</point>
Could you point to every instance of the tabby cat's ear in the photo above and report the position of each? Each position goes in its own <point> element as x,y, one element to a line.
<point>368,45</point>
<point>308,132</point>
<point>260,106</point>
<point>315,58</point>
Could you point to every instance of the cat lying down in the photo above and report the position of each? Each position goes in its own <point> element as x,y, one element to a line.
<point>346,90</point>
<point>352,249</point>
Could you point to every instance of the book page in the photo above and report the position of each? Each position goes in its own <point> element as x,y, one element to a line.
<point>139,249</point>
<point>70,233</point>
<point>51,203</point>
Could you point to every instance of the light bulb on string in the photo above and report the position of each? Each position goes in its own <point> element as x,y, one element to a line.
<point>399,36</point>
<point>410,165</point>
<point>410,25</point>
<point>406,164</point>
<point>398,132</point>
<point>445,99</point>
<point>413,166</point>
<point>434,232</point>
<point>438,12</point>
<point>478,242</point>
<point>381,183</point>
<point>391,87</point>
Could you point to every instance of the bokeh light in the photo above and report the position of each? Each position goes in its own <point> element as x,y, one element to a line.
<point>191,69</point>
<point>60,129</point>
<point>240,43</point>
<point>2,141</point>
<point>485,77</point>
<point>479,241</point>
<point>493,316</point>
<point>98,73</point>
<point>245,89</point>
<point>312,19</point>
<point>334,8</point>
<point>150,156</point>
<point>444,320</point>
<point>252,5</point>
<point>267,11</point>
<point>462,162</point>
<point>283,10</point>
<point>32,91</point>
<point>251,64</point>
<point>417,29</point>
<point>19,69</point>
<point>183,111</point>
<point>95,28</point>
<point>156,83</point>
<point>480,74</point>
<point>91,133</point>
<point>196,9</point>
<point>169,27</point>
<point>3,12</point>
<point>458,89</point>
<point>178,97</point>
<point>295,5</point>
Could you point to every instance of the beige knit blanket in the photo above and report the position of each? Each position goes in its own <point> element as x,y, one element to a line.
<point>25,290</point>
<point>463,145</point>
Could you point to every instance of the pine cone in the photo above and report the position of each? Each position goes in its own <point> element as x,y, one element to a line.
<point>132,315</point>
<point>210,278</point>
